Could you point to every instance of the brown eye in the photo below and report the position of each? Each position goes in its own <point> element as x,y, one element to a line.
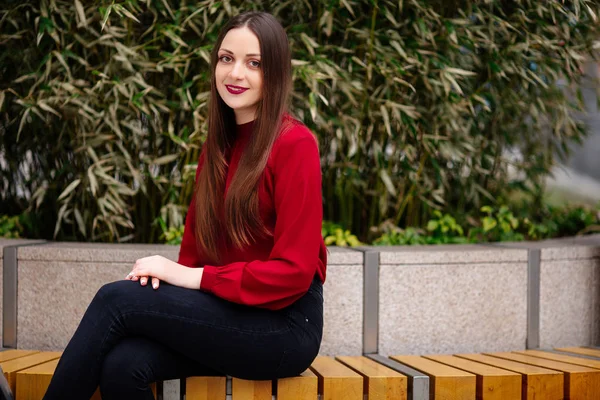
<point>254,64</point>
<point>225,59</point>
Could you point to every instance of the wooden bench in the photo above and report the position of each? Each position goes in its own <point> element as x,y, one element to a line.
<point>526,374</point>
<point>537,383</point>
<point>446,382</point>
<point>492,383</point>
<point>580,382</point>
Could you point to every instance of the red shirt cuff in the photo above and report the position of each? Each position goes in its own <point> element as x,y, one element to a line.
<point>209,277</point>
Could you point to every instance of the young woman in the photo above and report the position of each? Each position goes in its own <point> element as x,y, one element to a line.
<point>245,297</point>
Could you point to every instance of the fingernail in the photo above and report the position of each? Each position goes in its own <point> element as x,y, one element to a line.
<point>155,285</point>
<point>143,281</point>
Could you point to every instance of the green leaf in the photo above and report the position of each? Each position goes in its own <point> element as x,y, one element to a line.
<point>432,225</point>
<point>488,224</point>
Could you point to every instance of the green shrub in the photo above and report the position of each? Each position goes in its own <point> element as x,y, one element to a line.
<point>444,230</point>
<point>10,227</point>
<point>334,235</point>
<point>497,225</point>
<point>415,104</point>
<point>401,237</point>
<point>560,221</point>
<point>172,235</point>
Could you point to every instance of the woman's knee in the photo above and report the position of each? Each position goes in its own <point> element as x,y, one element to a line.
<point>114,290</point>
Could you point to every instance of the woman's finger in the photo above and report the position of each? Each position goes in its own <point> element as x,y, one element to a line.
<point>143,280</point>
<point>155,282</point>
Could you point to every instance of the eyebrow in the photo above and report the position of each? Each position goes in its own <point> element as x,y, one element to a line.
<point>247,55</point>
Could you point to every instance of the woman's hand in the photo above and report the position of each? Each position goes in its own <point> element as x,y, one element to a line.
<point>160,268</point>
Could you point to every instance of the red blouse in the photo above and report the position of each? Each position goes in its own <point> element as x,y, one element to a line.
<point>277,270</point>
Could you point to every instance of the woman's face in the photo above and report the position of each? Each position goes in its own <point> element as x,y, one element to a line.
<point>238,73</point>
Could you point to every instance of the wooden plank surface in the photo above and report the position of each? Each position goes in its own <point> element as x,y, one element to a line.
<point>336,381</point>
<point>581,350</point>
<point>381,383</point>
<point>446,382</point>
<point>303,387</point>
<point>537,383</point>
<point>11,367</point>
<point>242,389</point>
<point>32,383</point>
<point>581,383</point>
<point>8,355</point>
<point>206,388</point>
<point>562,357</point>
<point>492,383</point>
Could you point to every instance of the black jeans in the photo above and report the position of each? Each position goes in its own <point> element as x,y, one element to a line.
<point>131,336</point>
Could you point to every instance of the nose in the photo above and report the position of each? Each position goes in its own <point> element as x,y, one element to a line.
<point>237,71</point>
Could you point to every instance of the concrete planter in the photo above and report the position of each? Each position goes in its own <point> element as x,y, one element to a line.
<point>391,300</point>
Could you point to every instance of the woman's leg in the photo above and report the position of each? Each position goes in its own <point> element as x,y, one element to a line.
<point>232,339</point>
<point>135,362</point>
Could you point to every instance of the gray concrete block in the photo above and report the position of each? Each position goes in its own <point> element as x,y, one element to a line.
<point>572,248</point>
<point>447,254</point>
<point>569,302</point>
<point>452,308</point>
<point>96,252</point>
<point>343,310</point>
<point>569,290</point>
<point>344,256</point>
<point>53,296</point>
<point>15,242</point>
<point>3,244</point>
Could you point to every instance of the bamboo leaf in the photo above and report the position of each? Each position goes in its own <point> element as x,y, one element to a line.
<point>46,107</point>
<point>458,71</point>
<point>386,120</point>
<point>106,16</point>
<point>59,218</point>
<point>387,181</point>
<point>80,14</point>
<point>72,186</point>
<point>80,222</point>
<point>22,123</point>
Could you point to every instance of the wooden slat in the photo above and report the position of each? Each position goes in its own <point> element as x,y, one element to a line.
<point>8,355</point>
<point>336,381</point>
<point>32,383</point>
<point>446,382</point>
<point>581,383</point>
<point>492,383</point>
<point>586,362</point>
<point>11,367</point>
<point>206,388</point>
<point>538,383</point>
<point>380,383</point>
<point>303,387</point>
<point>242,389</point>
<point>581,350</point>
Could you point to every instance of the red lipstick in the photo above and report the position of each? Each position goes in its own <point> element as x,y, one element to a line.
<point>235,89</point>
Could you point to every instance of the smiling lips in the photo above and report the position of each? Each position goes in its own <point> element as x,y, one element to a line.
<point>235,89</point>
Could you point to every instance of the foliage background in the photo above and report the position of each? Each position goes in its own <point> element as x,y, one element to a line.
<point>418,105</point>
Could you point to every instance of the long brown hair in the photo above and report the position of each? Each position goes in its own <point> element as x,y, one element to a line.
<point>237,219</point>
